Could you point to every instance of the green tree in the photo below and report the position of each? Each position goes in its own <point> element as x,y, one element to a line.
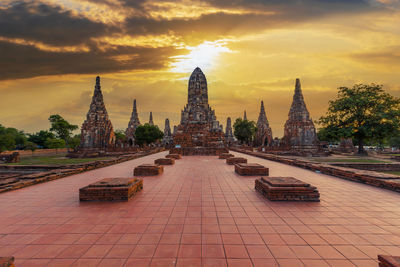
<point>120,135</point>
<point>363,112</point>
<point>55,143</point>
<point>62,128</point>
<point>40,138</point>
<point>394,141</point>
<point>244,130</point>
<point>74,141</point>
<point>30,146</point>
<point>7,141</point>
<point>147,134</point>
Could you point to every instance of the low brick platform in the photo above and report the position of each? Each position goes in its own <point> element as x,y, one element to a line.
<point>249,169</point>
<point>148,170</point>
<point>111,189</point>
<point>388,261</point>
<point>235,160</point>
<point>173,156</point>
<point>7,262</point>
<point>225,156</point>
<point>164,161</point>
<point>286,189</point>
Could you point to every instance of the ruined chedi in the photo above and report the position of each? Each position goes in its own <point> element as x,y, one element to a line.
<point>97,131</point>
<point>132,125</point>
<point>167,138</point>
<point>263,135</point>
<point>244,116</point>
<point>299,132</point>
<point>199,131</point>
<point>151,119</point>
<point>228,132</point>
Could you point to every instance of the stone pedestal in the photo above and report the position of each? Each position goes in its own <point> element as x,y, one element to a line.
<point>234,160</point>
<point>164,161</point>
<point>111,189</point>
<point>286,189</point>
<point>148,170</point>
<point>388,261</point>
<point>173,156</point>
<point>225,156</point>
<point>251,169</point>
<point>7,261</point>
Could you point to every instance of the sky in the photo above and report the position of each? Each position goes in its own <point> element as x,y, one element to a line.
<point>250,50</point>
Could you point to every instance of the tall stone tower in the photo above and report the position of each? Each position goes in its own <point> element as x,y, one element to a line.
<point>199,131</point>
<point>228,131</point>
<point>264,133</point>
<point>132,125</point>
<point>97,131</point>
<point>167,139</point>
<point>299,132</point>
<point>151,119</point>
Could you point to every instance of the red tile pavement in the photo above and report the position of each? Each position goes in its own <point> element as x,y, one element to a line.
<point>199,213</point>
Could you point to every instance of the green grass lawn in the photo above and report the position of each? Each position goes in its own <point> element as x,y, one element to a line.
<point>53,160</point>
<point>354,160</point>
<point>395,173</point>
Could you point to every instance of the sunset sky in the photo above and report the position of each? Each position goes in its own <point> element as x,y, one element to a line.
<point>250,50</point>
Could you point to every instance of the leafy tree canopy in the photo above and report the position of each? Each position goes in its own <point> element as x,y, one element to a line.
<point>55,143</point>
<point>244,130</point>
<point>147,134</point>
<point>40,138</point>
<point>120,135</point>
<point>363,112</point>
<point>61,127</point>
<point>11,138</point>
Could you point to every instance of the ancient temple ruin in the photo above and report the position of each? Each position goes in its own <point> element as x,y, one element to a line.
<point>97,131</point>
<point>151,119</point>
<point>263,135</point>
<point>132,125</point>
<point>244,116</point>
<point>167,138</point>
<point>199,132</point>
<point>299,132</point>
<point>228,132</point>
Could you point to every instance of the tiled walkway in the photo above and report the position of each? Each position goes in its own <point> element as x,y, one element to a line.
<point>199,213</point>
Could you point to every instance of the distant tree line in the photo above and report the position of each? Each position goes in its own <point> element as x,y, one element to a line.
<point>58,136</point>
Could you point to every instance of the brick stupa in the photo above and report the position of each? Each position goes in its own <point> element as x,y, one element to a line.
<point>299,132</point>
<point>199,132</point>
<point>132,125</point>
<point>97,132</point>
<point>228,132</point>
<point>167,138</point>
<point>264,133</point>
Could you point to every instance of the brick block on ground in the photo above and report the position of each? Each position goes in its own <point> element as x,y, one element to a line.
<point>251,169</point>
<point>225,156</point>
<point>148,170</point>
<point>111,189</point>
<point>173,156</point>
<point>286,189</point>
<point>7,261</point>
<point>164,161</point>
<point>235,160</point>
<point>389,261</point>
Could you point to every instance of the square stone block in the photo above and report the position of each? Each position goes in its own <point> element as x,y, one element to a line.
<point>388,261</point>
<point>286,189</point>
<point>225,156</point>
<point>251,169</point>
<point>111,189</point>
<point>235,160</point>
<point>164,161</point>
<point>148,170</point>
<point>173,156</point>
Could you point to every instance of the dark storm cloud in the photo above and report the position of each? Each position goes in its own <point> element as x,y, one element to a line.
<point>48,24</point>
<point>21,61</point>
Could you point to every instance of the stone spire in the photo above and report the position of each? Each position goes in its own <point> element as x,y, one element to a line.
<point>264,133</point>
<point>97,131</point>
<point>151,118</point>
<point>228,132</point>
<point>197,88</point>
<point>244,116</point>
<point>132,125</point>
<point>299,132</point>
<point>167,139</point>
